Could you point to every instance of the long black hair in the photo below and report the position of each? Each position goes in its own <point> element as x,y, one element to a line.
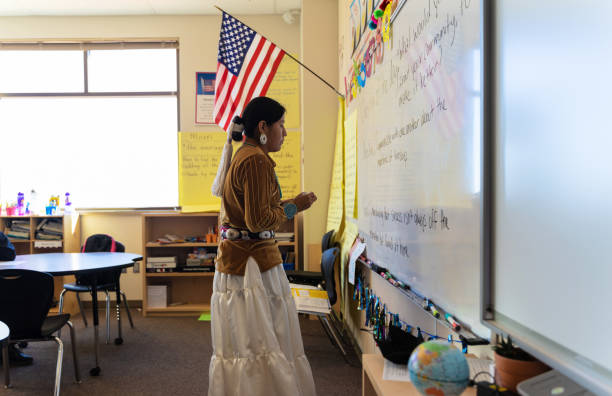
<point>259,109</point>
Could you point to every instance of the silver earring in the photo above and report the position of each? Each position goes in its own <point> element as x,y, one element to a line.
<point>263,139</point>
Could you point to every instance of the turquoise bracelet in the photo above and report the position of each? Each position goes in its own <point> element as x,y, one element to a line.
<point>290,210</point>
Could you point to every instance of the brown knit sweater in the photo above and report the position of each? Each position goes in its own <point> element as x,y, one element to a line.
<point>251,200</point>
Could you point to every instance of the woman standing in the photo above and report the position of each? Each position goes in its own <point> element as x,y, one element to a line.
<point>257,343</point>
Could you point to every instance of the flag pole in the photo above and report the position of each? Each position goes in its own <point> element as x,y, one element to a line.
<point>288,54</point>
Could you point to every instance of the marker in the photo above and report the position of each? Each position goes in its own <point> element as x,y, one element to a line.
<point>434,311</point>
<point>453,322</point>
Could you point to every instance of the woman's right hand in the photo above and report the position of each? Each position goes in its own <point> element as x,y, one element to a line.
<point>304,200</point>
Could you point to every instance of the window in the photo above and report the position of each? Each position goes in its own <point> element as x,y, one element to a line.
<point>98,123</point>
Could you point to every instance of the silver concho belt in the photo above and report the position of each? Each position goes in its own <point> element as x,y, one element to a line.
<point>233,234</point>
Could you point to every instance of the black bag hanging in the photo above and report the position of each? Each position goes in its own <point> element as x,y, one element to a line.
<point>399,344</point>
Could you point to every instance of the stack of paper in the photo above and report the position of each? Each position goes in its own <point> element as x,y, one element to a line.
<point>19,229</point>
<point>284,236</point>
<point>310,299</point>
<point>161,264</point>
<point>50,229</point>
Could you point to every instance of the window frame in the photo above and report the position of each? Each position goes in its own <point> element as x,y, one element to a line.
<point>85,47</point>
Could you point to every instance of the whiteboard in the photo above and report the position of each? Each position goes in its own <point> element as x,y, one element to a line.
<point>552,183</point>
<point>419,152</point>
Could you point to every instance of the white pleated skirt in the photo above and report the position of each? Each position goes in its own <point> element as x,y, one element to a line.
<point>257,343</point>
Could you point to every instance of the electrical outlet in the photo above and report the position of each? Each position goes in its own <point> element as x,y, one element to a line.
<point>136,267</point>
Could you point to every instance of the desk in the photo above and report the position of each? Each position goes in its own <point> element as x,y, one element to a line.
<point>4,336</point>
<point>60,264</point>
<point>373,384</point>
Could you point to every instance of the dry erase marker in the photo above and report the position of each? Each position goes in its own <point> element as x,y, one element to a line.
<point>453,322</point>
<point>434,311</point>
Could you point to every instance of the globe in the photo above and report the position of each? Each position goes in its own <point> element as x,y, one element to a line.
<point>437,368</point>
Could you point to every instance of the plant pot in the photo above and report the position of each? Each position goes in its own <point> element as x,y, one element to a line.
<point>510,372</point>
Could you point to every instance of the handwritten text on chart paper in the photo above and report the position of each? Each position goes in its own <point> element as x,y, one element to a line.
<point>433,219</point>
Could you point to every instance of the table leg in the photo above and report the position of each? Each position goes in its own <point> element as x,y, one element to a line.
<point>94,302</point>
<point>5,363</point>
<point>119,339</point>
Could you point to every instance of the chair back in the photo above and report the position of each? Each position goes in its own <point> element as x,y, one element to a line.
<point>100,243</point>
<point>328,260</point>
<point>25,299</point>
<point>326,241</point>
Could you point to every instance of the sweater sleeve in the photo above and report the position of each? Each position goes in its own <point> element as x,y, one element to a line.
<point>261,210</point>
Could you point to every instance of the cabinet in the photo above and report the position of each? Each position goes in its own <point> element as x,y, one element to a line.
<point>188,293</point>
<point>69,242</point>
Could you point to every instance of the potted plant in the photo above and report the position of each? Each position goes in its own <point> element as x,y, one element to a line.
<point>513,365</point>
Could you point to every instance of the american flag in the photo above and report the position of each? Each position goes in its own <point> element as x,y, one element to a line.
<point>246,66</point>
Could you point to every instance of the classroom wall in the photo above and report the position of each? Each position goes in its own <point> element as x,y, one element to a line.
<point>313,39</point>
<point>320,111</point>
<point>198,39</point>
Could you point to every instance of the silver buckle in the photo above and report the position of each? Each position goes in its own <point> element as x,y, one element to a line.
<point>232,234</point>
<point>266,234</point>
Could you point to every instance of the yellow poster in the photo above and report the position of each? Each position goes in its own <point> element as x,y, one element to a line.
<point>199,154</point>
<point>350,165</point>
<point>335,209</point>
<point>285,88</point>
<point>288,165</point>
<point>348,237</point>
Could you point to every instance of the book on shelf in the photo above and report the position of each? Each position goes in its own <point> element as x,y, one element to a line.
<point>17,234</point>
<point>53,226</point>
<point>41,224</point>
<point>162,259</point>
<point>48,237</point>
<point>161,262</point>
<point>161,265</point>
<point>203,268</point>
<point>161,269</point>
<point>284,236</point>
<point>20,225</point>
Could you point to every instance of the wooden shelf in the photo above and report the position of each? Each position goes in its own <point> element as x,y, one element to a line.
<point>181,244</point>
<point>179,274</point>
<point>193,288</point>
<point>71,242</point>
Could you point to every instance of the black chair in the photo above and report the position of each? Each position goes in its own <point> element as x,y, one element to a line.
<point>327,241</point>
<point>25,299</point>
<point>106,281</point>
<point>312,278</point>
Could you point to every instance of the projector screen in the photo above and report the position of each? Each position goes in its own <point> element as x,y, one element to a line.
<point>550,81</point>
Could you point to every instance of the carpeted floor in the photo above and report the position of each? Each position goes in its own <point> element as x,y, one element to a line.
<point>163,356</point>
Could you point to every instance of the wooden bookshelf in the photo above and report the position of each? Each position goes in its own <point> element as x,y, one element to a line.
<point>70,243</point>
<point>189,293</point>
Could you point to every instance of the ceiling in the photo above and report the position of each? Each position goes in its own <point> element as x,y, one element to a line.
<point>143,7</point>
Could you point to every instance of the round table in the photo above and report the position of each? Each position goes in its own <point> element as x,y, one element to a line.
<point>59,264</point>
